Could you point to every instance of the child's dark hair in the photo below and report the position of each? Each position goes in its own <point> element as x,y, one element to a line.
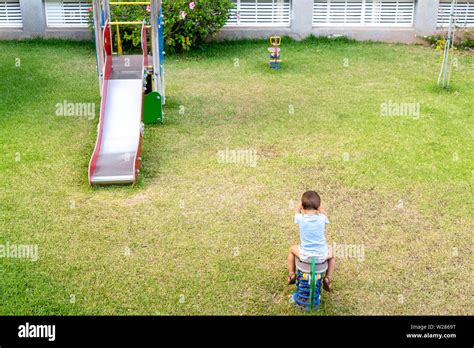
<point>311,200</point>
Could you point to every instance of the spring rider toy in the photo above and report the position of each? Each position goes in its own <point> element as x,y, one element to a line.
<point>309,277</point>
<point>275,61</point>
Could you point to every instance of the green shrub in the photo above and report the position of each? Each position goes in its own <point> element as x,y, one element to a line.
<point>187,24</point>
<point>464,39</point>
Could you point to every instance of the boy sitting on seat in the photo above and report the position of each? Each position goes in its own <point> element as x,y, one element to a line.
<point>310,217</point>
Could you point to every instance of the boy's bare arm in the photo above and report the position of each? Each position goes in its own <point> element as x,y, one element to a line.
<point>298,208</point>
<point>322,209</point>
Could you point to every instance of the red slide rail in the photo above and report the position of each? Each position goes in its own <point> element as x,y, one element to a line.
<point>107,73</point>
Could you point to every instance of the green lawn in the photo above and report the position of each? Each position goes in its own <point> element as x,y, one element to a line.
<point>201,237</point>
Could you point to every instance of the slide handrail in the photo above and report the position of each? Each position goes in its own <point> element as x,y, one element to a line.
<point>107,73</point>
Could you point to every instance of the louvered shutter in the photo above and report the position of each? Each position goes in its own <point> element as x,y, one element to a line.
<point>260,13</point>
<point>386,12</point>
<point>10,14</point>
<point>463,13</point>
<point>363,12</point>
<point>67,13</point>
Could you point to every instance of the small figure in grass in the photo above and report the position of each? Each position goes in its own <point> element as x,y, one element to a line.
<point>275,41</point>
<point>309,215</point>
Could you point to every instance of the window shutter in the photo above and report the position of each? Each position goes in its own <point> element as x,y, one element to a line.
<point>363,12</point>
<point>463,13</point>
<point>385,12</point>
<point>67,13</point>
<point>260,13</point>
<point>10,14</point>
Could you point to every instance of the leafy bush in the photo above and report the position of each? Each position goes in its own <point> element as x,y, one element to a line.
<point>464,39</point>
<point>187,24</point>
<point>469,43</point>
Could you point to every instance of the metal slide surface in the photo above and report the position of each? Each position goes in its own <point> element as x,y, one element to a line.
<point>120,133</point>
<point>116,155</point>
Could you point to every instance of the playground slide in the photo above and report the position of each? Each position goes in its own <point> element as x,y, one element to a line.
<point>116,157</point>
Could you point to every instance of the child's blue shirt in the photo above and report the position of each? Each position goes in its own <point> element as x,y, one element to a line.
<point>313,240</point>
